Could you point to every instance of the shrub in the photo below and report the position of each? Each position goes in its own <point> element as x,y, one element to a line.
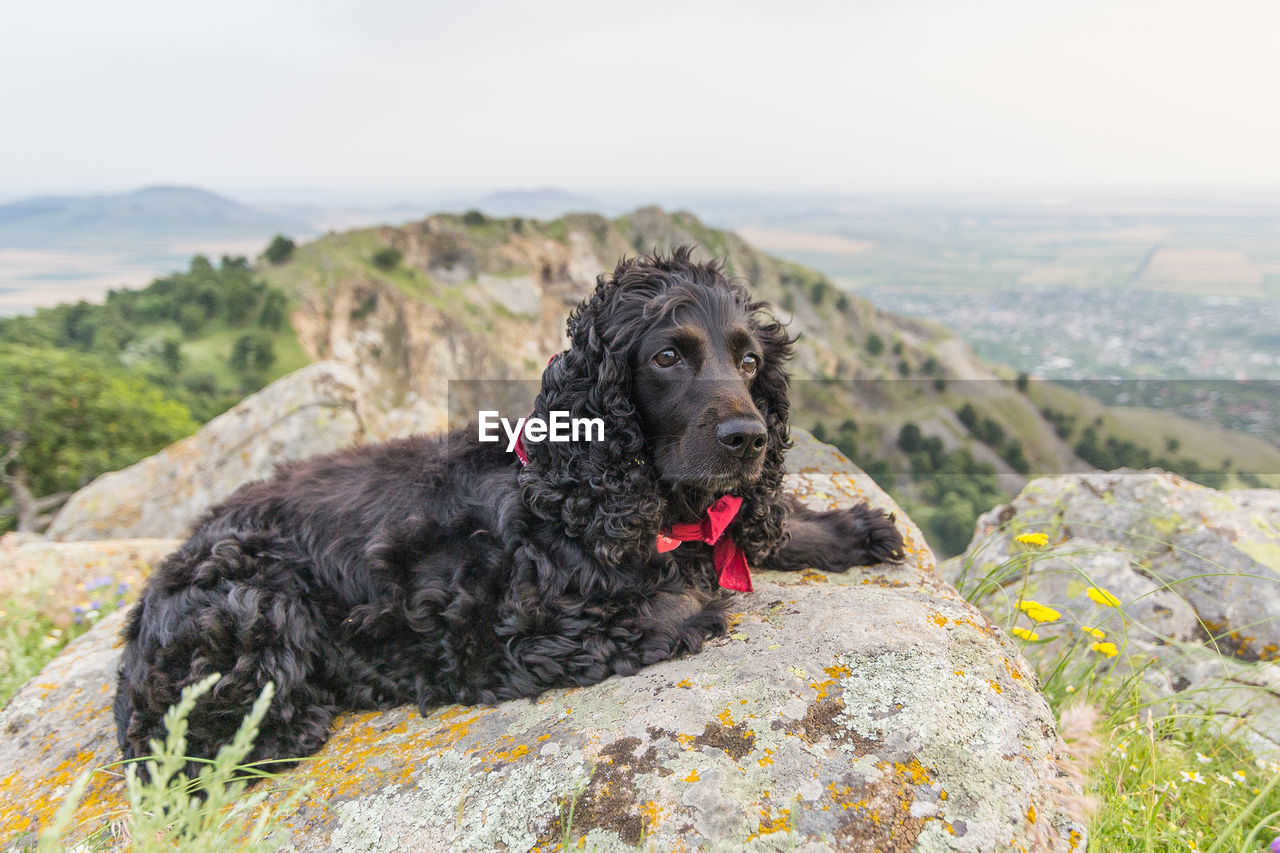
<point>875,344</point>
<point>387,258</point>
<point>909,438</point>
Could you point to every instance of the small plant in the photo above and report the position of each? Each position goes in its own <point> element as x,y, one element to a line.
<point>169,811</point>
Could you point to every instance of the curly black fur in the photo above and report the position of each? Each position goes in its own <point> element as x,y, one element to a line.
<point>434,570</point>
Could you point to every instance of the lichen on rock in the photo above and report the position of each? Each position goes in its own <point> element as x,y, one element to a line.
<point>870,710</point>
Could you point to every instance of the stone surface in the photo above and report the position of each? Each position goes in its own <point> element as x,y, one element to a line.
<point>64,580</point>
<point>873,710</point>
<point>1197,572</point>
<point>312,410</point>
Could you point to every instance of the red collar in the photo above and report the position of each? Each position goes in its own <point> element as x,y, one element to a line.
<point>730,560</point>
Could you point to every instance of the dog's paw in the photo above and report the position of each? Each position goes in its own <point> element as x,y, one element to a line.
<point>881,539</point>
<point>862,536</point>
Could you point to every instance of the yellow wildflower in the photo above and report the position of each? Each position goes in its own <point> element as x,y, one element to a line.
<point>1024,633</point>
<point>1108,649</point>
<point>1101,596</point>
<point>1037,539</point>
<point>1096,633</point>
<point>1037,611</point>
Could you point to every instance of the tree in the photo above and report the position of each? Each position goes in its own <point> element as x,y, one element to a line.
<point>1013,454</point>
<point>875,344</point>
<point>909,438</point>
<point>279,250</point>
<point>171,355</point>
<point>952,524</point>
<point>1023,380</point>
<point>66,417</point>
<point>274,306</point>
<point>253,352</point>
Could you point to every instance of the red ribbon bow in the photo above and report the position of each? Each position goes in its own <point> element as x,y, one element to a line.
<point>730,560</point>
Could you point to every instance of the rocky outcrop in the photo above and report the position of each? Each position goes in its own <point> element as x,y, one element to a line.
<point>873,710</point>
<point>1196,573</point>
<point>315,409</point>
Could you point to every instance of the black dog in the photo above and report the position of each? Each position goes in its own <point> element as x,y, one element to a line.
<point>439,570</point>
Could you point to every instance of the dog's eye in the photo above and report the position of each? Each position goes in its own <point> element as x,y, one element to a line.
<point>666,358</point>
<point>750,364</point>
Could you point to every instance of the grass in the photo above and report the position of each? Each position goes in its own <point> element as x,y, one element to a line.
<point>32,634</point>
<point>1161,771</point>
<point>169,811</point>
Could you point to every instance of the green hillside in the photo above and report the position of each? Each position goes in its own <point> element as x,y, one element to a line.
<point>92,388</point>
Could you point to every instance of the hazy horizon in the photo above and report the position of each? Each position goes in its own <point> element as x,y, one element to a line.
<point>1139,99</point>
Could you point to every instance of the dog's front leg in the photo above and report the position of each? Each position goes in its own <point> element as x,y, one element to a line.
<point>837,539</point>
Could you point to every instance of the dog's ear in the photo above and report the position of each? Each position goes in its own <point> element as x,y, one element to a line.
<point>601,492</point>
<point>760,528</point>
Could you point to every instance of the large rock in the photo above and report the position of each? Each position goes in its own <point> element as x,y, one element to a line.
<point>315,409</point>
<point>873,710</point>
<point>1197,573</point>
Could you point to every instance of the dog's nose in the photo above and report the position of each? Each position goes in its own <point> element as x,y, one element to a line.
<point>743,436</point>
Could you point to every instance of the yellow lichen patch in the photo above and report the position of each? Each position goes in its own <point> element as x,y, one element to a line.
<point>842,795</point>
<point>28,803</point>
<point>771,822</point>
<point>506,754</point>
<point>822,687</point>
<point>838,671</point>
<point>995,685</point>
<point>914,771</point>
<point>685,683</point>
<point>693,776</point>
<point>811,576</point>
<point>767,759</point>
<point>1011,669</point>
<point>939,620</point>
<point>652,813</point>
<point>959,672</point>
<point>1031,813</point>
<point>726,718</point>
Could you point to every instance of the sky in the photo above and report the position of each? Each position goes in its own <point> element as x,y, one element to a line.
<point>854,96</point>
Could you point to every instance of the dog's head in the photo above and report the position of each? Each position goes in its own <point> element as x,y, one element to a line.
<point>688,374</point>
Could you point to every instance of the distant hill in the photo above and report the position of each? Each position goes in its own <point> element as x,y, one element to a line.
<point>542,203</point>
<point>150,215</point>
